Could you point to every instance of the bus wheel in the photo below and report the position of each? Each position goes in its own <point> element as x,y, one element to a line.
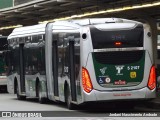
<point>40,98</point>
<point>70,105</point>
<point>19,97</point>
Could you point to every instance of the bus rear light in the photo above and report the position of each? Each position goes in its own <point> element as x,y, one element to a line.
<point>152,78</point>
<point>118,43</point>
<point>86,81</point>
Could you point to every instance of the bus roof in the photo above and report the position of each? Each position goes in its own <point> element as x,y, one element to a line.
<point>17,32</point>
<point>68,24</point>
<point>93,21</point>
<point>40,29</point>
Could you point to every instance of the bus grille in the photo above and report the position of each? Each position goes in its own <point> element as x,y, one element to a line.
<point>118,57</point>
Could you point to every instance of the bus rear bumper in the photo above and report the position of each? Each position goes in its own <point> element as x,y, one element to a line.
<point>96,95</point>
<point>3,80</point>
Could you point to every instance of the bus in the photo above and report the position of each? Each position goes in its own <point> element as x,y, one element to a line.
<point>82,61</point>
<point>158,66</point>
<point>3,64</point>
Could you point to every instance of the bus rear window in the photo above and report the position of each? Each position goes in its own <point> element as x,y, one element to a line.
<point>117,38</point>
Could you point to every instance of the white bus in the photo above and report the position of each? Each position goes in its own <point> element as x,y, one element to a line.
<point>79,61</point>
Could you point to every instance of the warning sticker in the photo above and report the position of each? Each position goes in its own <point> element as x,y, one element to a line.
<point>133,74</point>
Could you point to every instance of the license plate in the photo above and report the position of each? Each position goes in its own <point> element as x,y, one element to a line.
<point>120,82</point>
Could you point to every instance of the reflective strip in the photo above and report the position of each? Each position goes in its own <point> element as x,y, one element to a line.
<point>118,49</point>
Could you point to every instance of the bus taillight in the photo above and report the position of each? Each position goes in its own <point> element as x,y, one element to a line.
<point>118,44</point>
<point>86,81</point>
<point>152,78</point>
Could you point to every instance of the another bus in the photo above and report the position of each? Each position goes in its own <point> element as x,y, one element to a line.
<point>79,61</point>
<point>3,65</point>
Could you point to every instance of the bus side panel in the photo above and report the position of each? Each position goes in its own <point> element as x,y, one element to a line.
<point>148,43</point>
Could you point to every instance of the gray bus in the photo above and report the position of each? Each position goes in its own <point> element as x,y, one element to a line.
<point>79,61</point>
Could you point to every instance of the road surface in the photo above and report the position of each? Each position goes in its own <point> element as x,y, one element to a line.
<point>9,103</point>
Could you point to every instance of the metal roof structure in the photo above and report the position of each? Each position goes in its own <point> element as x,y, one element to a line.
<point>41,10</point>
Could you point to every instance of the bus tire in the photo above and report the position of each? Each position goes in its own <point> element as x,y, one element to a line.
<point>68,98</point>
<point>40,98</point>
<point>20,97</point>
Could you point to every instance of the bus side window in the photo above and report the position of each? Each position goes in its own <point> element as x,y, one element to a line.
<point>29,61</point>
<point>34,39</point>
<point>27,53</point>
<point>60,53</point>
<point>41,60</point>
<point>5,60</point>
<point>11,59</point>
<point>60,40</point>
<point>14,59</point>
<point>77,54</point>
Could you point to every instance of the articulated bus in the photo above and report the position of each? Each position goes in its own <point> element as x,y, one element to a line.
<point>81,61</point>
<point>3,65</point>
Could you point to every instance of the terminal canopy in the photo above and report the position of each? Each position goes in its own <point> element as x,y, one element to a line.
<point>41,10</point>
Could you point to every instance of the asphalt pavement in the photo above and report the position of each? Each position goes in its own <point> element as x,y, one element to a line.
<point>155,103</point>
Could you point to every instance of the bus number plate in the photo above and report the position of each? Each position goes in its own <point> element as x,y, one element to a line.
<point>120,82</point>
